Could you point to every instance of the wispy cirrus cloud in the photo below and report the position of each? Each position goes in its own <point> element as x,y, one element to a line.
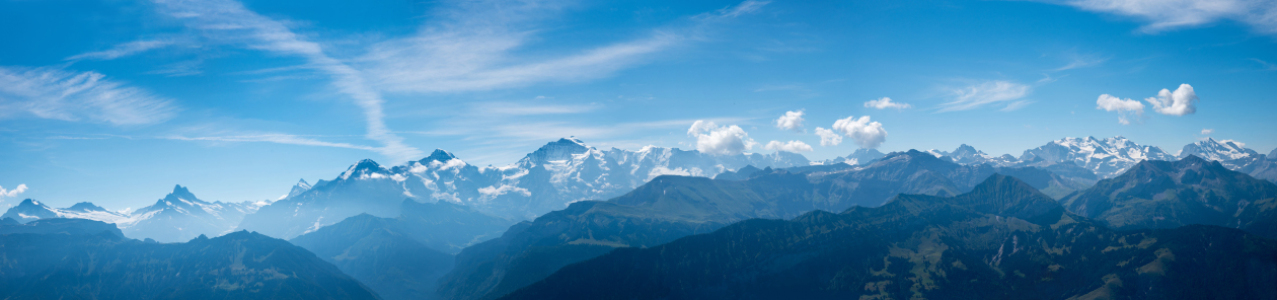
<point>1077,61</point>
<point>125,49</point>
<point>277,138</point>
<point>230,22</point>
<point>1164,15</point>
<point>473,47</point>
<point>55,93</point>
<point>469,47</point>
<point>994,92</point>
<point>531,109</point>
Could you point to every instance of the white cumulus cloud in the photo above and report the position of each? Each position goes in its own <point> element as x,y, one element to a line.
<point>885,103</point>
<point>1124,108</point>
<point>53,93</point>
<point>12,193</point>
<point>720,140</point>
<point>828,137</point>
<point>866,133</point>
<point>791,120</point>
<point>790,146</point>
<point>1182,101</point>
<point>1207,131</point>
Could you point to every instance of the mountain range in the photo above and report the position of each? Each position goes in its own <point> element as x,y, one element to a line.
<point>178,217</point>
<point>440,228</point>
<point>1093,159</point>
<point>1170,194</point>
<point>567,171</point>
<point>403,257</point>
<point>550,178</point>
<point>671,207</point>
<point>1002,240</point>
<point>60,258</point>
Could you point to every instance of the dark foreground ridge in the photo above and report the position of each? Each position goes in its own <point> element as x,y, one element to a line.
<point>84,259</point>
<point>1003,240</point>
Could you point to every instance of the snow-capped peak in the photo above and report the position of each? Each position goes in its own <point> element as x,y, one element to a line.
<point>363,168</point>
<point>968,155</point>
<point>85,207</point>
<point>438,155</point>
<point>1106,158</point>
<point>1211,149</point>
<point>563,149</point>
<point>301,187</point>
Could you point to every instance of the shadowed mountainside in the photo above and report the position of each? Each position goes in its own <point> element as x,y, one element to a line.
<point>84,259</point>
<point>1004,240</point>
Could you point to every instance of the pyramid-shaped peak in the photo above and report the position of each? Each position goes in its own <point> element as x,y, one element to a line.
<point>367,163</point>
<point>180,191</point>
<point>561,149</point>
<point>365,166</point>
<point>965,149</point>
<point>86,206</point>
<point>30,202</point>
<point>998,181</point>
<point>1192,159</point>
<point>573,140</point>
<point>302,182</point>
<point>439,155</point>
<point>1008,196</point>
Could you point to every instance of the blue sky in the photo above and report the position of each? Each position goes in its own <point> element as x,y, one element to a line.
<point>114,102</point>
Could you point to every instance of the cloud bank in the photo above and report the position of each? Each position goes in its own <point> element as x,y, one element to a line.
<point>790,146</point>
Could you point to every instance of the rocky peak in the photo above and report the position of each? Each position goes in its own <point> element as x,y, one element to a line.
<point>438,155</point>
<point>563,149</point>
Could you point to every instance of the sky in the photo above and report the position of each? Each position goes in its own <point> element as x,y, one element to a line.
<point>116,101</point>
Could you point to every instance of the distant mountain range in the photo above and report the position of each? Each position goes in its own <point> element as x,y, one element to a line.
<point>84,259</point>
<point>178,217</point>
<point>931,221</point>
<point>1002,240</point>
<point>567,171</point>
<point>1083,158</point>
<point>548,179</point>
<point>404,257</point>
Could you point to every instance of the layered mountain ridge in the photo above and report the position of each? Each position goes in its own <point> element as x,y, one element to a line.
<point>85,259</point>
<point>671,207</point>
<point>1169,194</point>
<point>1002,240</point>
<point>178,217</point>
